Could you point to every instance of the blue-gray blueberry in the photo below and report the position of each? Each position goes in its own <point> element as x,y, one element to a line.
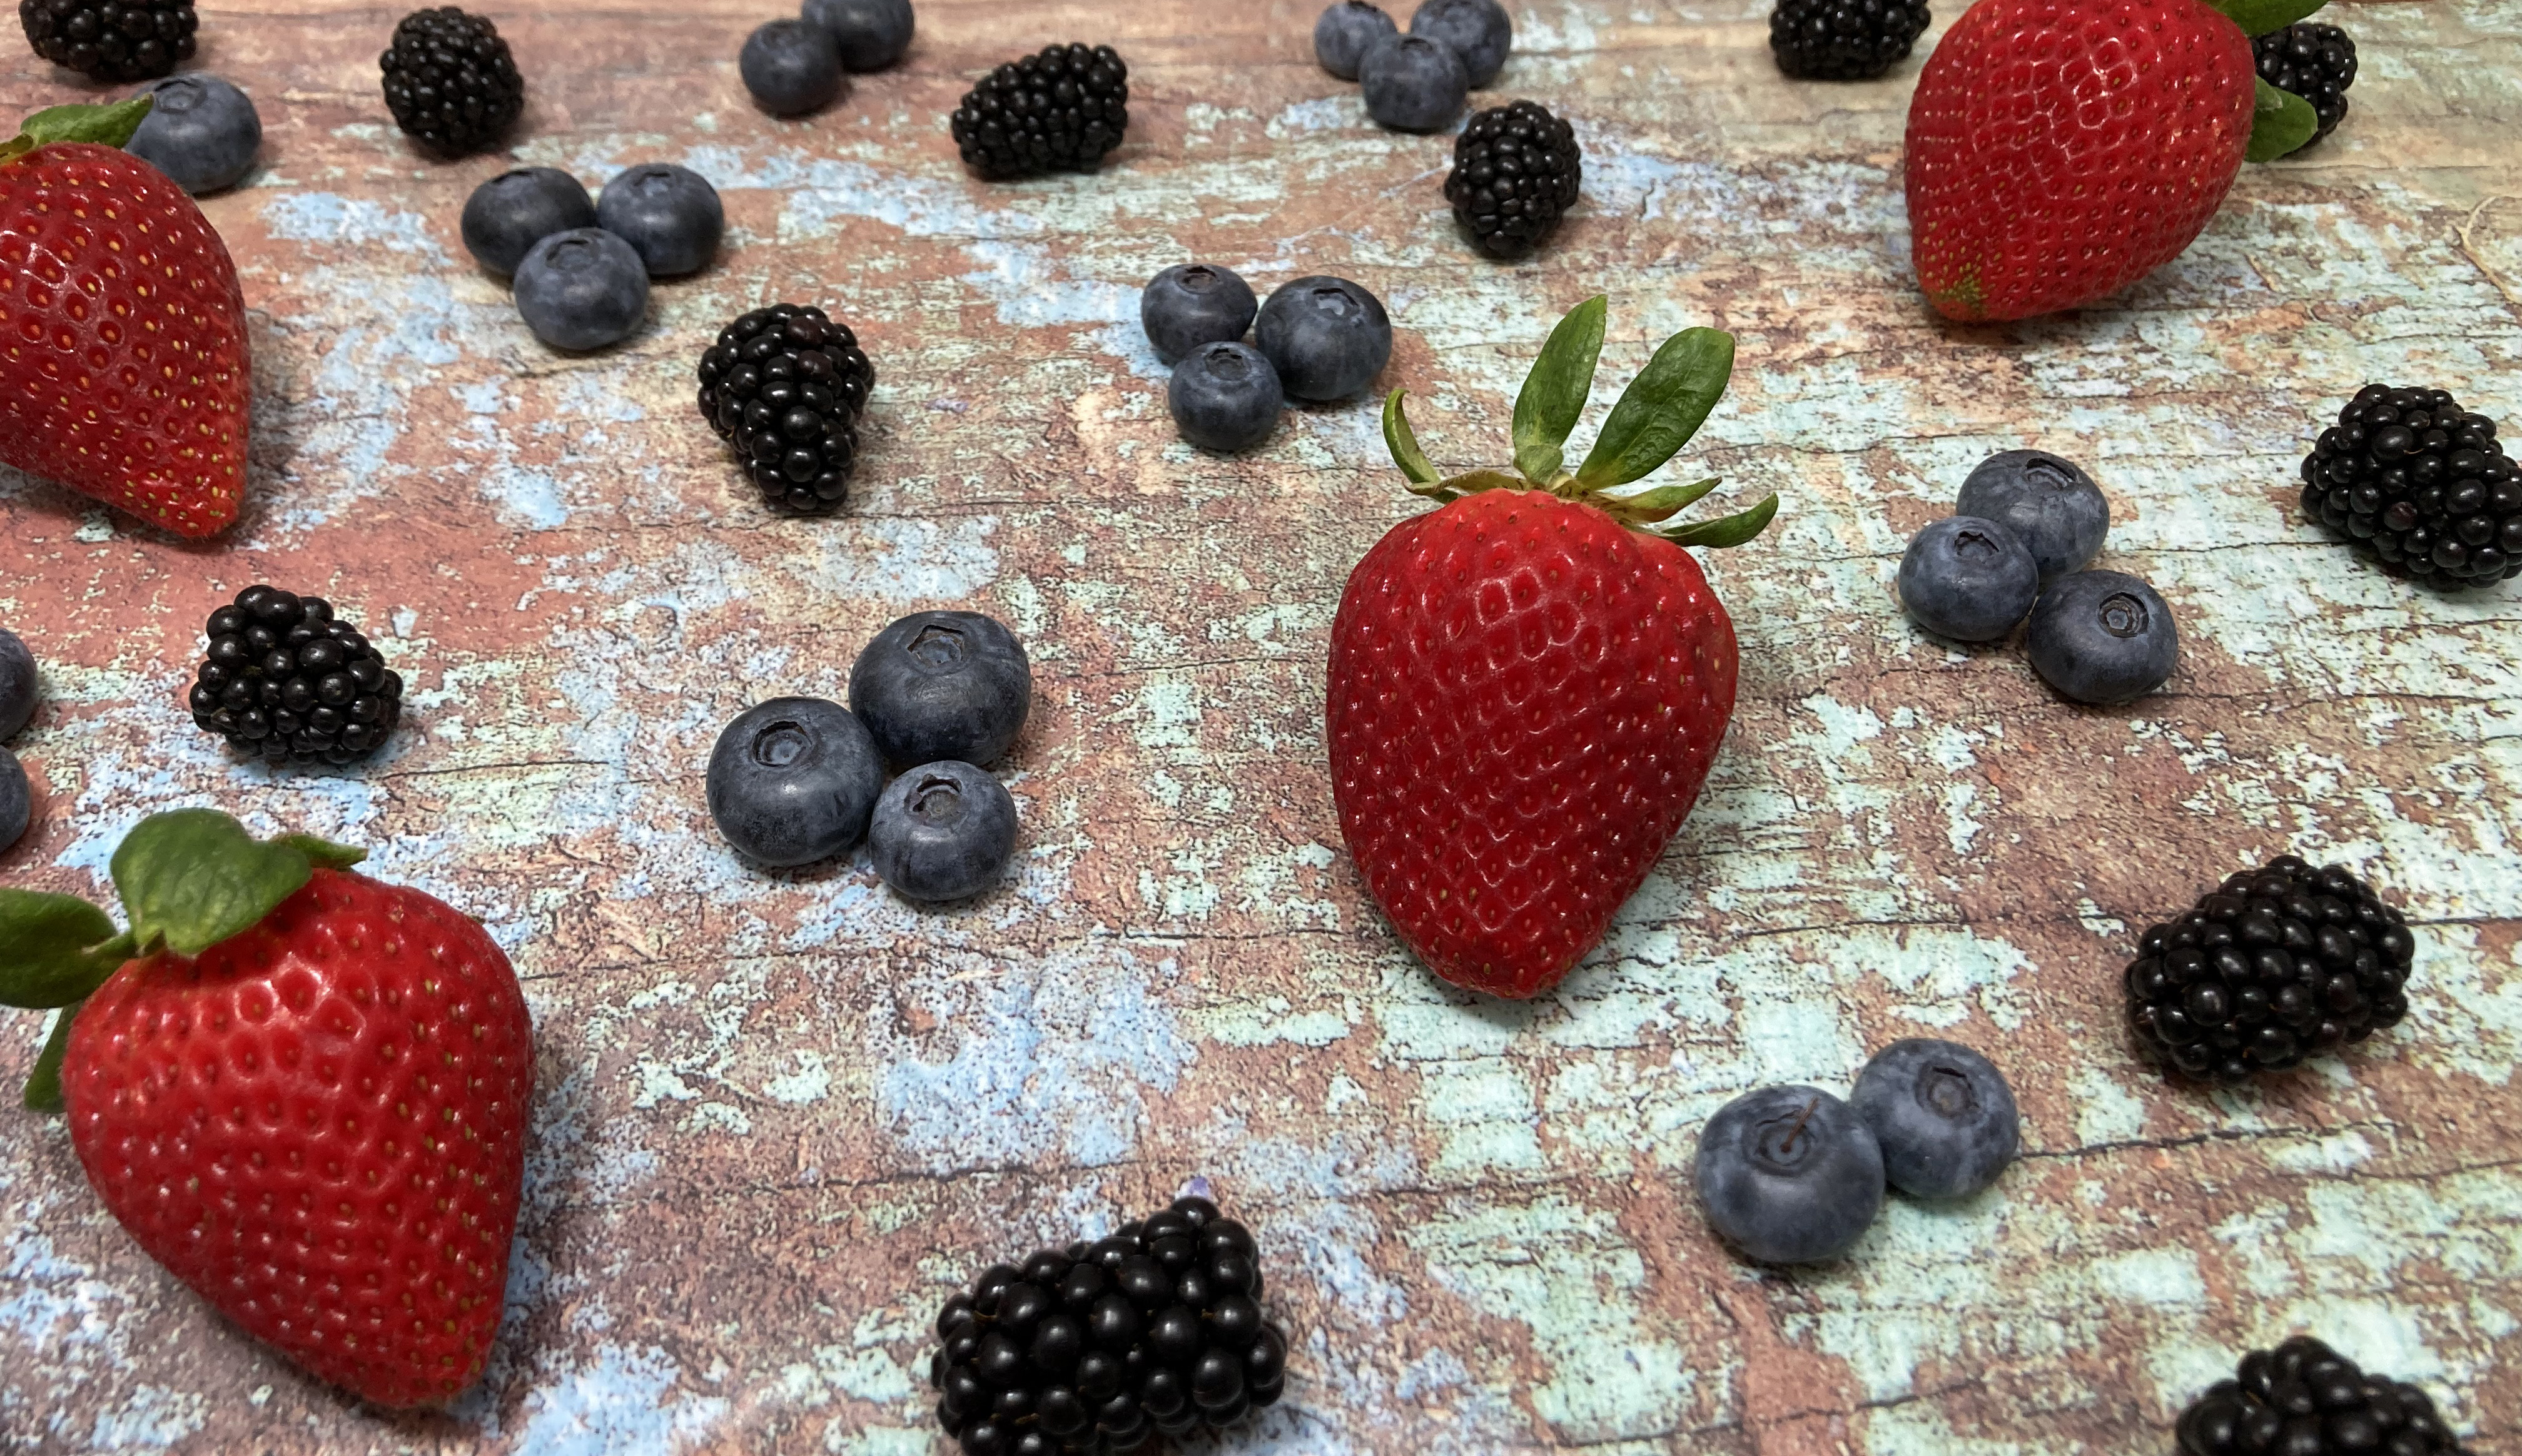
<point>668,214</point>
<point>1411,84</point>
<point>508,215</point>
<point>201,131</point>
<point>582,289</point>
<point>943,685</point>
<point>1224,397</point>
<point>793,780</point>
<point>2050,503</point>
<point>17,683</point>
<point>2102,637</point>
<point>871,34</point>
<point>1344,34</point>
<point>1327,337</point>
<point>942,831</point>
<point>1788,1175</point>
<point>1968,579</point>
<point>16,799</point>
<point>1192,304</point>
<point>1942,1116</point>
<point>791,68</point>
<point>1478,31</point>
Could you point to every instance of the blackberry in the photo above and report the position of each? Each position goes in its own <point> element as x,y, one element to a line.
<point>2424,482</point>
<point>1061,110</point>
<point>1516,169</point>
<point>2304,1398</point>
<point>112,41</point>
<point>785,386</point>
<point>450,82</point>
<point>1845,40</point>
<point>1097,1346</point>
<point>287,682</point>
<point>2315,62</point>
<point>2275,965</point>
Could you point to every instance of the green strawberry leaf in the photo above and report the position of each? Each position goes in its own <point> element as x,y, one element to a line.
<point>2260,16</point>
<point>1728,530</point>
<point>1661,408</point>
<point>1660,503</point>
<point>43,1092</point>
<point>1473,482</point>
<point>2282,122</point>
<point>192,877</point>
<point>1554,392</point>
<point>1406,453</point>
<point>323,854</point>
<point>105,125</point>
<point>54,949</point>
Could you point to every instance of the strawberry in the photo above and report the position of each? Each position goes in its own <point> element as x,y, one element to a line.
<point>300,1090</point>
<point>2060,150</point>
<point>1527,685</point>
<point>122,345</point>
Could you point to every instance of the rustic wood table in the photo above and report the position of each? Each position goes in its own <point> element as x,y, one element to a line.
<point>778,1116</point>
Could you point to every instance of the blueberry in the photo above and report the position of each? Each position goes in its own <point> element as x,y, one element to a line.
<point>943,685</point>
<point>668,214</point>
<point>202,132</point>
<point>1192,304</point>
<point>791,68</point>
<point>1478,31</point>
<point>1327,337</point>
<point>582,289</point>
<point>871,34</point>
<point>1345,33</point>
<point>1941,1114</point>
<point>17,683</point>
<point>942,831</point>
<point>1225,397</point>
<point>1968,579</point>
<point>16,799</point>
<point>793,780</point>
<point>1412,83</point>
<point>2102,637</point>
<point>507,215</point>
<point>1788,1175</point>
<point>2053,505</point>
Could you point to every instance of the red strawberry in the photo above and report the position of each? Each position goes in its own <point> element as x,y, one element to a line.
<point>1527,686</point>
<point>2060,150</point>
<point>306,1098</point>
<point>122,345</point>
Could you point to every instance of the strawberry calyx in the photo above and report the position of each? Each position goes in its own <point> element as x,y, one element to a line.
<point>188,879</point>
<point>1655,416</point>
<point>107,126</point>
<point>2280,121</point>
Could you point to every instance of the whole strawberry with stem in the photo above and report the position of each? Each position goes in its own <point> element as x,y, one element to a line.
<point>1529,686</point>
<point>300,1090</point>
<point>123,372</point>
<point>2060,150</point>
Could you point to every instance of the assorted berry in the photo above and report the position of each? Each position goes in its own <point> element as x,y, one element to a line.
<point>1845,40</point>
<point>18,692</point>
<point>582,289</point>
<point>2315,62</point>
<point>1942,1116</point>
<point>2304,1398</point>
<point>1517,171</point>
<point>2275,965</point>
<point>1345,33</point>
<point>2422,482</point>
<point>668,214</point>
<point>450,82</point>
<point>1480,31</point>
<point>1411,84</point>
<point>785,386</point>
<point>793,780</point>
<point>286,681</point>
<point>200,131</point>
<point>16,799</point>
<point>1225,397</point>
<point>942,831</point>
<point>943,685</point>
<point>111,41</point>
<point>2102,637</point>
<point>1156,1331</point>
<point>1788,1175</point>
<point>508,215</point>
<point>1192,304</point>
<point>1968,579</point>
<point>791,68</point>
<point>1327,337</point>
<point>2049,503</point>
<point>1061,110</point>
<point>871,34</point>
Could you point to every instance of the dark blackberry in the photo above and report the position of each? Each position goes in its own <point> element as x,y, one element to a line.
<point>1516,169</point>
<point>1845,40</point>
<point>785,386</point>
<point>2304,1398</point>
<point>2315,62</point>
<point>1061,110</point>
<point>2275,965</point>
<point>111,41</point>
<point>1096,1348</point>
<point>2423,481</point>
<point>287,682</point>
<point>450,82</point>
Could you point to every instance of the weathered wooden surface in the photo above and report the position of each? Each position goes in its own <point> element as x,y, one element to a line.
<point>779,1116</point>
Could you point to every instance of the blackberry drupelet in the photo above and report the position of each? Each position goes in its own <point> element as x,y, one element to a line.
<point>785,386</point>
<point>287,682</point>
<point>1843,40</point>
<point>2304,1398</point>
<point>2315,62</point>
<point>1516,169</point>
<point>2422,481</point>
<point>111,41</point>
<point>1096,1348</point>
<point>450,82</point>
<point>1061,110</point>
<point>2275,965</point>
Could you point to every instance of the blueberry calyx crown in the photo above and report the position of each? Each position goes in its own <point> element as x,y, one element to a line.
<point>1655,416</point>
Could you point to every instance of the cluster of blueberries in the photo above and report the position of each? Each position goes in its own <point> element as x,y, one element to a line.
<point>797,65</point>
<point>1791,1175</point>
<point>1422,79</point>
<point>1318,337</point>
<point>938,694</point>
<point>2027,522</point>
<point>16,705</point>
<point>581,265</point>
